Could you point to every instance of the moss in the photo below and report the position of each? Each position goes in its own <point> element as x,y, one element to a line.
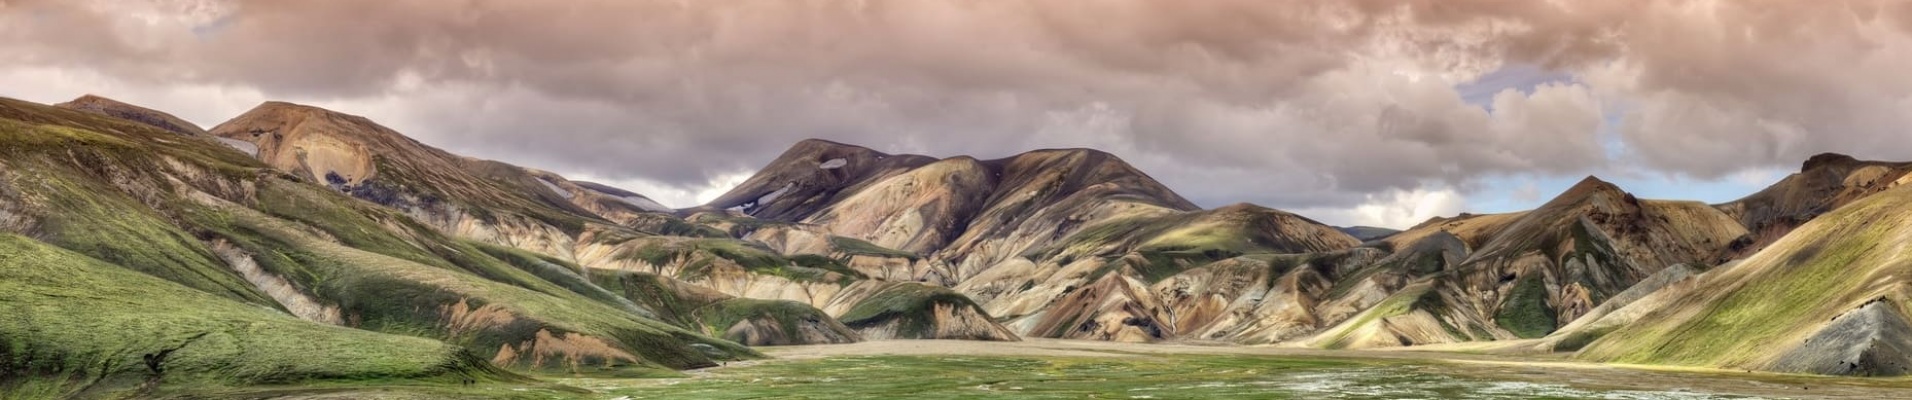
<point>673,226</point>
<point>76,323</point>
<point>99,221</point>
<point>562,273</point>
<point>788,315</point>
<point>394,295</point>
<point>1525,312</point>
<point>911,305</point>
<point>699,257</point>
<point>352,223</point>
<point>655,293</point>
<point>110,190</point>
<point>1400,303</point>
<point>856,246</point>
<point>1806,283</point>
<point>739,226</point>
<point>821,263</point>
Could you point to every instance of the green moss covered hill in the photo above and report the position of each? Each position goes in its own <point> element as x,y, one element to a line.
<point>140,261</point>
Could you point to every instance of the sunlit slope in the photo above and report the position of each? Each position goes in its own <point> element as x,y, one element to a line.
<point>1828,298</point>
<point>78,326</point>
<point>198,213</point>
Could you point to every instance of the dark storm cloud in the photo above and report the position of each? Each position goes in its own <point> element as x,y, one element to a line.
<point>1294,104</point>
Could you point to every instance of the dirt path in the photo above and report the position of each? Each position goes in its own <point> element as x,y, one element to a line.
<point>1536,369</point>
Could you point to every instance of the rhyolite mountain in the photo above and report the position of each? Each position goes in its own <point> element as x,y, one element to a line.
<point>1824,182</point>
<point>137,260</point>
<point>115,108</point>
<point>332,248</point>
<point>591,226</point>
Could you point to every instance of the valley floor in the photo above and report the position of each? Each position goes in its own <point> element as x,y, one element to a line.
<point>1084,369</point>
<point>1062,369</point>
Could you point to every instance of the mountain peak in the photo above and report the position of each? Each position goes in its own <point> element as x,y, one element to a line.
<point>1589,188</point>
<point>816,143</point>
<point>114,108</point>
<point>93,98</point>
<point>284,108</point>
<point>1826,159</point>
<point>1593,184</point>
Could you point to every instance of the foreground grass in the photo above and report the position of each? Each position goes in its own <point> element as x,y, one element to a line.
<point>1133,377</point>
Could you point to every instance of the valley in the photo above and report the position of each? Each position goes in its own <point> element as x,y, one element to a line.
<point>1057,369</point>
<point>300,252</point>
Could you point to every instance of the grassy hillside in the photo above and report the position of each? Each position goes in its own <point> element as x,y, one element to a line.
<point>196,213</point>
<point>78,326</point>
<point>1750,315</point>
<point>749,321</point>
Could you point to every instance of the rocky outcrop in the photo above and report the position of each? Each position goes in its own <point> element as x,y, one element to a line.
<point>1824,183</point>
<point>1873,340</point>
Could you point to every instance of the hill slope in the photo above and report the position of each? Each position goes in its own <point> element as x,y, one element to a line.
<point>117,109</point>
<point>221,225</point>
<point>1830,298</point>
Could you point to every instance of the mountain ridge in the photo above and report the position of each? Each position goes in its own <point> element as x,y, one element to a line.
<point>330,222</point>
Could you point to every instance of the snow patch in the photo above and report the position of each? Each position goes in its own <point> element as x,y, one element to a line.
<point>645,204</point>
<point>566,194</point>
<point>766,199</point>
<point>834,163</point>
<point>241,145</point>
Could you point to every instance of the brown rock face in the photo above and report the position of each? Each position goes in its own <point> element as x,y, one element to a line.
<point>1824,183</point>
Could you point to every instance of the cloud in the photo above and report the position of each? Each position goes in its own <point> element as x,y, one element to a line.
<point>1397,209</point>
<point>1304,105</point>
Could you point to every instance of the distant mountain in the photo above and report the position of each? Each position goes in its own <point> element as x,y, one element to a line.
<point>1021,235</point>
<point>1368,233</point>
<point>143,115</point>
<point>297,221</point>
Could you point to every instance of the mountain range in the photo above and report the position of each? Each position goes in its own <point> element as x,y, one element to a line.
<point>295,244</point>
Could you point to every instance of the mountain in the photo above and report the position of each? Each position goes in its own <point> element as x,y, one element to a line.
<point>965,214</point>
<point>154,264</point>
<point>592,226</point>
<point>493,202</point>
<point>1019,235</point>
<point>143,115</point>
<point>1824,183</point>
<point>1829,298</point>
<point>1527,274</point>
<point>810,175</point>
<point>1368,233</point>
<point>395,260</point>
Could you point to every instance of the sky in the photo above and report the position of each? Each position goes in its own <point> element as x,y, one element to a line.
<point>1354,112</point>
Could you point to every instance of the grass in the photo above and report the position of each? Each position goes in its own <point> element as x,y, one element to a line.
<point>854,246</point>
<point>1526,313</point>
<point>986,377</point>
<point>76,325</point>
<point>911,305</point>
<point>1400,303</point>
<point>701,257</point>
<point>703,310</point>
<point>1796,284</point>
<point>788,315</point>
<point>739,226</point>
<point>91,191</point>
<point>1150,376</point>
<point>96,219</point>
<point>394,295</point>
<point>111,191</point>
